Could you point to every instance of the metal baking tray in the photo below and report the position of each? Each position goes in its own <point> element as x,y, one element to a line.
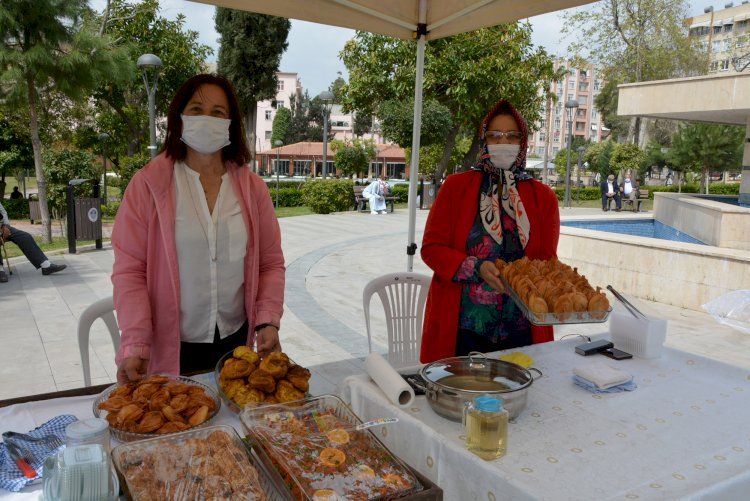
<point>572,317</point>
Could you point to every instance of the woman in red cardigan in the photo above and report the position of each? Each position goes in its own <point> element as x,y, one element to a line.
<point>495,210</point>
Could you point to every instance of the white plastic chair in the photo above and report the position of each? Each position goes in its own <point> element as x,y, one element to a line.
<point>403,296</point>
<point>104,309</point>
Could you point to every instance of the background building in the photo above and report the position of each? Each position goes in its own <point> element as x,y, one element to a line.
<point>725,35</point>
<point>581,84</point>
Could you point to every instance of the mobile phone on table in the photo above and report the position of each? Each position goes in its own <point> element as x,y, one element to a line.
<point>616,354</point>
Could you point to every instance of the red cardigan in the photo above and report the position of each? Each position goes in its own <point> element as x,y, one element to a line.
<point>444,249</point>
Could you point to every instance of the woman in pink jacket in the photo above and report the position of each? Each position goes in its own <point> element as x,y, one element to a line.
<point>198,263</point>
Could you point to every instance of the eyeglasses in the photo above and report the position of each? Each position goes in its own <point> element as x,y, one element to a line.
<point>497,135</point>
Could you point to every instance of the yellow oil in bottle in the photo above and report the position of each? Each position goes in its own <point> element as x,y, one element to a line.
<point>487,431</point>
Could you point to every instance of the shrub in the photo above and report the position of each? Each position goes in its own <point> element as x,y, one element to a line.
<point>589,193</point>
<point>110,210</point>
<point>17,209</point>
<point>401,192</point>
<point>60,166</point>
<point>724,189</point>
<point>326,196</point>
<point>288,197</point>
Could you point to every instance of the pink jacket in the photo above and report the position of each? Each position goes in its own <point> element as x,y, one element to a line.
<point>146,277</point>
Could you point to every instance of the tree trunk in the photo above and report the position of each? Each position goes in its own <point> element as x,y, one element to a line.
<point>250,130</point>
<point>36,144</point>
<point>450,142</point>
<point>471,155</point>
<point>133,129</point>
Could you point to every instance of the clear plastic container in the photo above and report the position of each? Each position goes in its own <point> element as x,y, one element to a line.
<point>486,424</point>
<point>643,337</point>
<point>80,472</point>
<point>88,431</point>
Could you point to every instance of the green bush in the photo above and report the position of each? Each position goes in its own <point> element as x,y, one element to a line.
<point>288,197</point>
<point>110,210</point>
<point>589,193</point>
<point>128,167</point>
<point>330,195</point>
<point>61,166</point>
<point>17,209</point>
<point>401,192</point>
<point>724,189</point>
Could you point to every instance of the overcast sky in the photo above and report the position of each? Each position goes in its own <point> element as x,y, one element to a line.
<point>313,48</point>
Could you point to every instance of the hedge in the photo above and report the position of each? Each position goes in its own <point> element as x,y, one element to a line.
<point>17,209</point>
<point>329,195</point>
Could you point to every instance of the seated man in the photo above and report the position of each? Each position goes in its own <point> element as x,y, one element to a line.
<point>15,194</point>
<point>610,191</point>
<point>375,194</point>
<point>629,189</point>
<point>27,245</point>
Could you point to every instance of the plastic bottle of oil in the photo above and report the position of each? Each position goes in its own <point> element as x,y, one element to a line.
<point>486,425</point>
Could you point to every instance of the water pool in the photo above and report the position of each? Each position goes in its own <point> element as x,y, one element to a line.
<point>642,228</point>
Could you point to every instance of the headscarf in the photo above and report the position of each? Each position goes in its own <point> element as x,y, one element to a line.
<point>504,199</point>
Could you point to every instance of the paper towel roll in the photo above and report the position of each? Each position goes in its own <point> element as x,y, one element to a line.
<point>393,385</point>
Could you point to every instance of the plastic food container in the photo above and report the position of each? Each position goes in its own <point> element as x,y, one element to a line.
<point>209,463</point>
<point>643,338</point>
<point>129,436</point>
<point>88,431</point>
<point>314,445</point>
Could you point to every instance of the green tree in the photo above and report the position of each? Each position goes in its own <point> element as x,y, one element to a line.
<point>121,109</point>
<point>60,166</point>
<point>353,157</point>
<point>606,103</point>
<point>627,157</point>
<point>635,41</point>
<point>397,122</point>
<point>16,153</point>
<point>280,127</point>
<point>467,73</point>
<point>51,45</point>
<point>249,55</point>
<point>362,124</point>
<point>598,156</point>
<point>337,88</point>
<point>700,147</point>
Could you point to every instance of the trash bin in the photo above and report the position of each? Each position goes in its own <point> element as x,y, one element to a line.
<point>84,215</point>
<point>429,191</point>
<point>35,213</point>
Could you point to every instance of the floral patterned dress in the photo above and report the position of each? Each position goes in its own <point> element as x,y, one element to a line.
<point>484,311</point>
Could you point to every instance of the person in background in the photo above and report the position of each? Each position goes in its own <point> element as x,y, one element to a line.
<point>15,194</point>
<point>28,246</point>
<point>629,189</point>
<point>375,194</point>
<point>610,191</point>
<point>198,266</point>
<point>495,210</point>
<point>669,181</point>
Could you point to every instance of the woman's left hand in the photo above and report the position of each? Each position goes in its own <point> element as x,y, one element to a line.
<point>267,340</point>
<point>490,274</point>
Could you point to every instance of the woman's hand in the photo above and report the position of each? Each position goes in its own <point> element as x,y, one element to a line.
<point>132,369</point>
<point>267,340</point>
<point>491,275</point>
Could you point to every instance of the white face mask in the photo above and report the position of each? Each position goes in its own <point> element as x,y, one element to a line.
<point>205,134</point>
<point>503,155</point>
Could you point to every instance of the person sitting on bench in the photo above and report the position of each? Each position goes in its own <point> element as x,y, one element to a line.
<point>629,189</point>
<point>375,194</point>
<point>610,191</point>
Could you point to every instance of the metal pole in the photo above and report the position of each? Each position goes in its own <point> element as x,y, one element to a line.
<point>71,219</point>
<point>578,179</point>
<point>411,247</point>
<point>104,163</point>
<point>277,175</point>
<point>325,141</point>
<point>567,166</point>
<point>152,118</point>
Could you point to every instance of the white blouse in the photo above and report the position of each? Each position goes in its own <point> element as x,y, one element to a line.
<point>211,250</point>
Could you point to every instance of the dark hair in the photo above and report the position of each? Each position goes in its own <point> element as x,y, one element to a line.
<point>237,151</point>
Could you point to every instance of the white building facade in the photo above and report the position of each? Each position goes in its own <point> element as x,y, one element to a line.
<point>725,36</point>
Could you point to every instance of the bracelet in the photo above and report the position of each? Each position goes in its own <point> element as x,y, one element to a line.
<point>261,326</point>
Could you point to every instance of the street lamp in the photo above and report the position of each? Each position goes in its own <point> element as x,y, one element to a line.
<point>570,107</point>
<point>327,98</point>
<point>278,144</point>
<point>104,137</point>
<point>581,149</point>
<point>150,65</point>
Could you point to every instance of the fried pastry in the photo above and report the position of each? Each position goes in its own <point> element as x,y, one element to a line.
<point>246,353</point>
<point>299,377</point>
<point>234,368</point>
<point>151,421</point>
<point>276,364</point>
<point>286,392</point>
<point>262,380</point>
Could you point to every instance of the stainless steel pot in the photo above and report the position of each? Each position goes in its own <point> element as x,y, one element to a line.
<point>451,382</point>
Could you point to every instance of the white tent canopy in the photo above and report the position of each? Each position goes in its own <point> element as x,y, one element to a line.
<point>406,19</point>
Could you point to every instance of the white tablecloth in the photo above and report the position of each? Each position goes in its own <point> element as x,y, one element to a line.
<point>684,433</point>
<point>27,416</point>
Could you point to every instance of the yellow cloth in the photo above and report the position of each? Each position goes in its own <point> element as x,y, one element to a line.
<point>519,358</point>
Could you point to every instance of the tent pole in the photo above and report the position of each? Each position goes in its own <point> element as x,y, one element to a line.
<point>411,248</point>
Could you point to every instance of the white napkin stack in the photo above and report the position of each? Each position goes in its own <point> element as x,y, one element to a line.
<point>602,375</point>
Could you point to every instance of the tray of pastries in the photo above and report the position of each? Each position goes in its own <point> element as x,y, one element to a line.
<point>321,456</point>
<point>209,463</point>
<point>550,292</point>
<point>156,405</point>
<point>243,379</point>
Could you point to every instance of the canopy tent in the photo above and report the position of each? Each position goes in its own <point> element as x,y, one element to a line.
<point>422,20</point>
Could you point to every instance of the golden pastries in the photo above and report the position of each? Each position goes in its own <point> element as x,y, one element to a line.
<point>551,286</point>
<point>235,368</point>
<point>274,379</point>
<point>246,353</point>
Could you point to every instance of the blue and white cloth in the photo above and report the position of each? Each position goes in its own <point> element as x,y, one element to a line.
<point>11,476</point>
<point>598,377</point>
<point>588,385</point>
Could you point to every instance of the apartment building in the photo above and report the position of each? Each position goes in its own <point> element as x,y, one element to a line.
<point>581,84</point>
<point>725,35</point>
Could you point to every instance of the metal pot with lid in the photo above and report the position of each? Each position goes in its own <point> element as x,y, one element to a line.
<point>451,382</point>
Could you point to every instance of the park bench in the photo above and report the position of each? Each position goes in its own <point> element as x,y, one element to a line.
<point>634,204</point>
<point>360,202</point>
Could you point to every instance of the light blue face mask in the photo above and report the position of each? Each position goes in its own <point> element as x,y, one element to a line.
<point>502,156</point>
<point>205,134</point>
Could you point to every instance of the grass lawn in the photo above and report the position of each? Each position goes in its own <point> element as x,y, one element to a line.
<point>57,244</point>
